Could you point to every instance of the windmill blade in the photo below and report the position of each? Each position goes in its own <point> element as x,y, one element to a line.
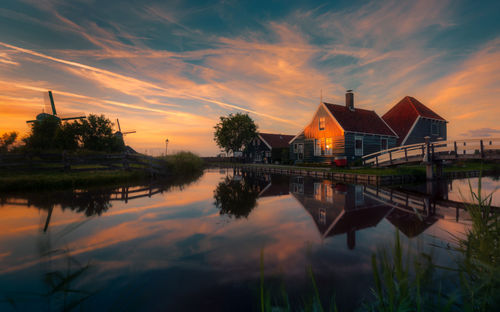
<point>127,132</point>
<point>51,97</point>
<point>72,118</point>
<point>76,115</point>
<point>118,123</point>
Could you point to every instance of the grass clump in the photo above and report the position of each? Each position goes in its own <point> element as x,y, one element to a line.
<point>183,163</point>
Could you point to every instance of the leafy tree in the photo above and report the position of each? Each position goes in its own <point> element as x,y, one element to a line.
<point>234,132</point>
<point>43,133</point>
<point>6,140</point>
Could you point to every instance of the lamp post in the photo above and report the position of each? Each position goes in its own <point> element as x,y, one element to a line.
<point>166,147</point>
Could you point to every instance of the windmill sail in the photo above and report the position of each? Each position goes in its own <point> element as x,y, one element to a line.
<point>50,106</point>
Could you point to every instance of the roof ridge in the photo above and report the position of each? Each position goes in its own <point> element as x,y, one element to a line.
<point>413,105</point>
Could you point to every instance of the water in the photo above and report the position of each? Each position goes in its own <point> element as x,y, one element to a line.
<point>197,247</point>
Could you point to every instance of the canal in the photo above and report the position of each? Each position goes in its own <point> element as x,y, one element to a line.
<point>198,247</point>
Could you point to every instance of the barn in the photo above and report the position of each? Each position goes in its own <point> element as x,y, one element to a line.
<point>412,121</point>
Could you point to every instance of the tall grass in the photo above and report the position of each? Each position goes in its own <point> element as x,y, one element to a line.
<point>477,271</point>
<point>183,163</point>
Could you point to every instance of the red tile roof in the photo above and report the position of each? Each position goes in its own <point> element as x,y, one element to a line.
<point>276,140</point>
<point>402,115</point>
<point>359,120</point>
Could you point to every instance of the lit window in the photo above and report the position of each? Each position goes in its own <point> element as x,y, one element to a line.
<point>322,123</point>
<point>329,146</point>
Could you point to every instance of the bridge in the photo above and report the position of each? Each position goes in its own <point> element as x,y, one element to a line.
<point>434,153</point>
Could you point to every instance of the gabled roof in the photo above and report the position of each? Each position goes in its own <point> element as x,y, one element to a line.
<point>275,140</point>
<point>403,115</point>
<point>359,120</point>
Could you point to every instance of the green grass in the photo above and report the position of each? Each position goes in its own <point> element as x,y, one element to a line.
<point>182,163</point>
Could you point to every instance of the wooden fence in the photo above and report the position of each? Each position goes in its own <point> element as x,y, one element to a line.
<point>84,162</point>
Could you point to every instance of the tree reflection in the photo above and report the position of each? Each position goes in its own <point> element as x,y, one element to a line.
<point>236,197</point>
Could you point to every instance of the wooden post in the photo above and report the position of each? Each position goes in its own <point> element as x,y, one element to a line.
<point>376,160</point>
<point>390,157</point>
<point>406,154</point>
<point>482,149</point>
<point>456,150</point>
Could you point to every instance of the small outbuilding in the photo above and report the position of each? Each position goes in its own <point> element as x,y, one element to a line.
<point>268,148</point>
<point>412,121</point>
<point>341,132</point>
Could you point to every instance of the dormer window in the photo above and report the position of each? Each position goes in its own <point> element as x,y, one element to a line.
<point>322,123</point>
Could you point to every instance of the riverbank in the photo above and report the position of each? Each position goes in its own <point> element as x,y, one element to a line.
<point>375,176</point>
<point>176,167</point>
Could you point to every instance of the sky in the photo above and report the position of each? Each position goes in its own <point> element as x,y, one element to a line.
<point>170,69</point>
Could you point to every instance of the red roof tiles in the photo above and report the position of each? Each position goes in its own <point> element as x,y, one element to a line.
<point>359,120</point>
<point>276,140</point>
<point>402,116</point>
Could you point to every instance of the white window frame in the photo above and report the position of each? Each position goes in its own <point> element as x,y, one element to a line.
<point>386,143</point>
<point>317,147</point>
<point>356,150</point>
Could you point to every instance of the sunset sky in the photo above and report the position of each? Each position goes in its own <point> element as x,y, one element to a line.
<point>169,69</point>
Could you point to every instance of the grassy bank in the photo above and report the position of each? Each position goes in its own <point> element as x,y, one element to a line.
<point>178,167</point>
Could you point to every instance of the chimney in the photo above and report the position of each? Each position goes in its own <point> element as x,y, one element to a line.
<point>349,100</point>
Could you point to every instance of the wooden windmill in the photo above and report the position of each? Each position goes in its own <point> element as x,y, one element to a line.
<point>44,115</point>
<point>119,133</point>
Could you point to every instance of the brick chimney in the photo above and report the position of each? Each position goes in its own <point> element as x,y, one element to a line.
<point>349,100</point>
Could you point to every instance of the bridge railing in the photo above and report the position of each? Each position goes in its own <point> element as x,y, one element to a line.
<point>478,148</point>
<point>396,153</point>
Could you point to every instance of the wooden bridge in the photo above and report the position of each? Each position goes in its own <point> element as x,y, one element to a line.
<point>433,153</point>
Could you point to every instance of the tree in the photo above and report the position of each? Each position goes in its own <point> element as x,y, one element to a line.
<point>97,134</point>
<point>7,140</point>
<point>234,132</point>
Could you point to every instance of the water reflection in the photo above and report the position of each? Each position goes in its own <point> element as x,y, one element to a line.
<point>154,247</point>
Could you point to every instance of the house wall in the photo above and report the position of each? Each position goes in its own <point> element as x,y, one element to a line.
<point>312,132</point>
<point>423,128</point>
<point>371,143</point>
<point>257,147</point>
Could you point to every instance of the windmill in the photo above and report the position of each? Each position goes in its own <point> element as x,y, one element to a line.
<point>119,133</point>
<point>45,115</point>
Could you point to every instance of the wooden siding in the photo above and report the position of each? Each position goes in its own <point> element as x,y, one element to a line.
<point>423,128</point>
<point>331,130</point>
<point>371,143</point>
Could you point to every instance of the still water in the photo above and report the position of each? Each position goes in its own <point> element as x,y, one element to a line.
<point>197,247</point>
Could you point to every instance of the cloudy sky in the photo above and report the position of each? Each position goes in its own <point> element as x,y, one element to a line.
<point>169,69</point>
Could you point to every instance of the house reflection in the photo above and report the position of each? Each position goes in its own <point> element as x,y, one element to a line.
<point>337,208</point>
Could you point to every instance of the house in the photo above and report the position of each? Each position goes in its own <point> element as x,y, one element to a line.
<point>268,148</point>
<point>412,121</point>
<point>341,131</point>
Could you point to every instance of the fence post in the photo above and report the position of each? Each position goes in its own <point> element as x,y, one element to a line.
<point>125,161</point>
<point>406,153</point>
<point>390,157</point>
<point>66,163</point>
<point>456,150</point>
<point>482,149</point>
<point>376,160</point>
